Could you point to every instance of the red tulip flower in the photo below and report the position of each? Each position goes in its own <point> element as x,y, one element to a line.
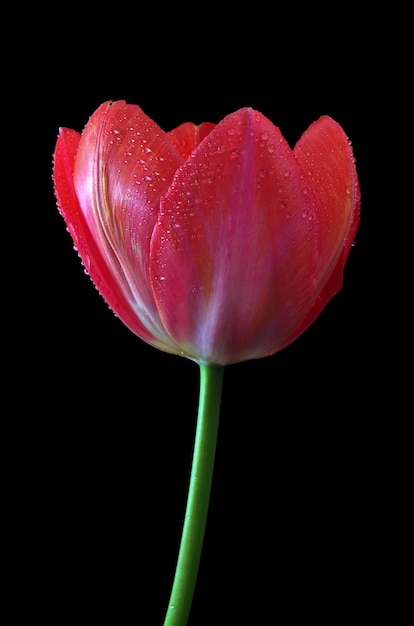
<point>219,243</point>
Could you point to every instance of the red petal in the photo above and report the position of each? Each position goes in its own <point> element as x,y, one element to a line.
<point>187,136</point>
<point>325,155</point>
<point>68,205</point>
<point>125,163</point>
<point>103,214</point>
<point>233,257</point>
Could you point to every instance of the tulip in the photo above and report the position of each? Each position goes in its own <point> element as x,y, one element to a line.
<point>219,243</point>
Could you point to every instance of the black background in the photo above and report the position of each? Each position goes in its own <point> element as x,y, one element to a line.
<point>305,453</point>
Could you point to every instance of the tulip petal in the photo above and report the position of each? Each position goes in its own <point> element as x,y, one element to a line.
<point>325,156</point>
<point>110,194</point>
<point>187,136</point>
<point>68,205</point>
<point>234,249</point>
<point>327,161</point>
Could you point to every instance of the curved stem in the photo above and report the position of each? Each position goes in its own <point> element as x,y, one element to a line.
<point>211,381</point>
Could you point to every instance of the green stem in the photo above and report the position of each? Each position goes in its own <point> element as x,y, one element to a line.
<point>211,382</point>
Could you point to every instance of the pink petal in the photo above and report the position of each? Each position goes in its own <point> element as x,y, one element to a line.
<point>68,205</point>
<point>233,253</point>
<point>187,136</point>
<point>109,195</point>
<point>325,155</point>
<point>125,164</point>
